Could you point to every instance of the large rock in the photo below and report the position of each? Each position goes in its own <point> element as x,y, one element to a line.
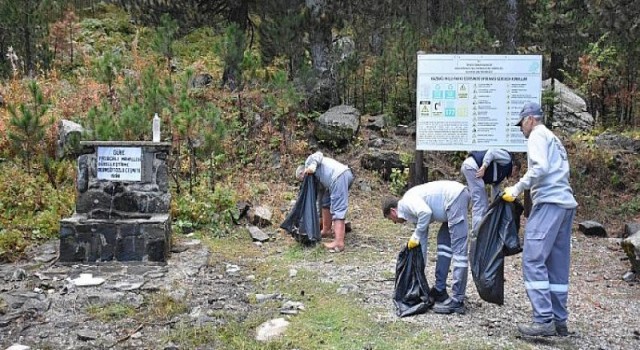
<point>630,228</point>
<point>376,122</point>
<point>272,329</point>
<point>382,162</point>
<point>570,112</point>
<point>69,136</point>
<point>631,246</point>
<point>338,126</point>
<point>616,142</point>
<point>260,216</point>
<point>592,228</point>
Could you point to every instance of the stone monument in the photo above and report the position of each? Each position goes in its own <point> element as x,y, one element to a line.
<point>122,204</point>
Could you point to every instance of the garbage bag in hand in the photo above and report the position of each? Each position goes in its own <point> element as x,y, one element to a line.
<point>411,294</point>
<point>495,237</point>
<point>302,222</point>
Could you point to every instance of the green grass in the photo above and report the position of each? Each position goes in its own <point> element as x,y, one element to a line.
<point>160,306</point>
<point>111,312</point>
<point>329,321</point>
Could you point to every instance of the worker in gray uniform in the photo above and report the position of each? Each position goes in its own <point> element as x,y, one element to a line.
<point>547,237</point>
<point>336,179</point>
<point>445,202</point>
<point>486,167</point>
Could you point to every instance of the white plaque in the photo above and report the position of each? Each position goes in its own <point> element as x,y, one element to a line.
<point>472,102</point>
<point>119,163</point>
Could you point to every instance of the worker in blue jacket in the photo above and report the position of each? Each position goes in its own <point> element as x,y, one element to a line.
<point>547,237</point>
<point>482,168</point>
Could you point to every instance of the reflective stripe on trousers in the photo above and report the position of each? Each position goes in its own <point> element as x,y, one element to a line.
<point>546,260</point>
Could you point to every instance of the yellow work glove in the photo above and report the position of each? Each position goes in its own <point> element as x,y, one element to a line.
<point>509,194</point>
<point>413,242</point>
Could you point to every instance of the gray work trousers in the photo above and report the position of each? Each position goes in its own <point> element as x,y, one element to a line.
<point>452,245</point>
<point>479,197</point>
<point>546,260</point>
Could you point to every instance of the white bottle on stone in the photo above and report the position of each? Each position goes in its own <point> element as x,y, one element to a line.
<point>156,128</point>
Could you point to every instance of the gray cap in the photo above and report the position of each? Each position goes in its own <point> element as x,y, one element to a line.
<point>530,109</point>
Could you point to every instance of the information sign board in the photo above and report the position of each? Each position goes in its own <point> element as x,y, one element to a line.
<point>472,102</point>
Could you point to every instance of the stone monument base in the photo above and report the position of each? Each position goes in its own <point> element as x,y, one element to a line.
<point>147,237</point>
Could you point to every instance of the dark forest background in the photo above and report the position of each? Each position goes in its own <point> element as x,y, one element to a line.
<point>590,45</point>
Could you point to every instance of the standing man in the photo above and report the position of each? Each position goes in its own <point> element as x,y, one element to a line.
<point>486,167</point>
<point>445,202</point>
<point>336,178</point>
<point>547,238</point>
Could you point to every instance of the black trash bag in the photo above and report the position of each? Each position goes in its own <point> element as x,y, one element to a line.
<point>495,237</point>
<point>510,228</point>
<point>411,294</point>
<point>302,222</point>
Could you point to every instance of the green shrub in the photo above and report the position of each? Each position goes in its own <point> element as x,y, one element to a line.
<point>399,181</point>
<point>205,209</point>
<point>30,207</point>
<point>12,245</point>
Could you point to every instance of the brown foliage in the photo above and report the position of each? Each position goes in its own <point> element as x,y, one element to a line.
<point>62,36</point>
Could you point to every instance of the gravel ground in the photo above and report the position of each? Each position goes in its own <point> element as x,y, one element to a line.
<point>604,310</point>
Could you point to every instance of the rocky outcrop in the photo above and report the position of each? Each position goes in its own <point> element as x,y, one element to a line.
<point>69,136</point>
<point>338,126</point>
<point>617,142</point>
<point>570,111</point>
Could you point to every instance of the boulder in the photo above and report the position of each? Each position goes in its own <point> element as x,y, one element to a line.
<point>376,122</point>
<point>271,329</point>
<point>257,234</point>
<point>406,130</point>
<point>69,136</point>
<point>382,162</point>
<point>630,228</point>
<point>338,126</point>
<point>260,216</point>
<point>631,246</point>
<point>570,112</point>
<point>592,228</point>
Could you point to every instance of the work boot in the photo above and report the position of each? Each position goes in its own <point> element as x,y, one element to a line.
<point>535,329</point>
<point>562,329</point>
<point>438,296</point>
<point>449,306</point>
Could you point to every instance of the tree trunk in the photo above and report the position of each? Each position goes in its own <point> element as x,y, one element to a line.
<point>418,174</point>
<point>512,25</point>
<point>28,53</point>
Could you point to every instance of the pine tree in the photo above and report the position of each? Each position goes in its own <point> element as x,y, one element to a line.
<point>27,124</point>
